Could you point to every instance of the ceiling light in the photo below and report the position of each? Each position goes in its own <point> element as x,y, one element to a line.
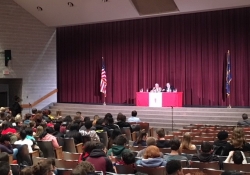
<point>70,4</point>
<point>39,8</point>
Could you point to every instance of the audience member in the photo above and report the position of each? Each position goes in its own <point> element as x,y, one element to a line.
<point>134,117</point>
<point>89,132</point>
<point>50,116</point>
<point>206,154</point>
<point>27,119</point>
<point>23,157</point>
<point>115,133</point>
<point>16,107</point>
<point>99,159</point>
<point>45,136</point>
<point>5,145</point>
<point>6,126</point>
<point>221,146</point>
<point>29,134</point>
<point>238,141</point>
<point>141,140</point>
<point>173,167</point>
<point>150,141</point>
<point>127,158</point>
<point>187,142</point>
<point>245,121</point>
<point>87,148</point>
<point>100,126</point>
<point>86,119</point>
<point>174,154</point>
<point>119,147</point>
<point>24,141</point>
<point>237,157</point>
<point>161,141</point>
<point>121,121</point>
<point>96,117</point>
<point>74,133</point>
<point>44,167</point>
<point>4,157</point>
<point>111,125</point>
<point>84,168</point>
<point>39,131</point>
<point>27,171</point>
<point>151,158</point>
<point>57,132</point>
<point>5,168</point>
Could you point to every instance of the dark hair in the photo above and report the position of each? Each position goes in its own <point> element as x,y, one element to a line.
<point>100,121</point>
<point>244,116</point>
<point>4,137</point>
<point>88,124</point>
<point>57,127</point>
<point>175,144</point>
<point>42,167</point>
<point>4,157</point>
<point>110,121</point>
<point>119,116</point>
<point>27,116</point>
<point>67,119</point>
<point>142,134</point>
<point>89,146</point>
<point>49,130</point>
<point>206,147</point>
<point>99,145</point>
<point>6,125</point>
<point>74,126</point>
<point>134,113</point>
<point>116,132</point>
<point>237,157</point>
<point>160,132</point>
<point>78,171</point>
<point>86,119</point>
<point>121,140</point>
<point>128,157</point>
<point>29,131</point>
<point>173,166</point>
<point>108,115</point>
<point>26,171</point>
<point>222,135</point>
<point>34,110</point>
<point>78,112</point>
<point>23,134</point>
<point>4,168</point>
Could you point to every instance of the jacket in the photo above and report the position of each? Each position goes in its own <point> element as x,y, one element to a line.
<point>152,162</point>
<point>99,160</point>
<point>225,147</point>
<point>245,122</point>
<point>58,134</point>
<point>122,124</point>
<point>162,144</point>
<point>49,137</point>
<point>117,150</point>
<point>204,157</point>
<point>75,135</point>
<point>8,149</point>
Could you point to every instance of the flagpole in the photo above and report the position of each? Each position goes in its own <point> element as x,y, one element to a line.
<point>229,101</point>
<point>104,103</point>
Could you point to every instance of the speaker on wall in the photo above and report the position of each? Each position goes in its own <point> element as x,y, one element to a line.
<point>7,55</point>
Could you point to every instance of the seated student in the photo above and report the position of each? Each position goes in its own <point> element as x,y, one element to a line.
<point>115,133</point>
<point>121,121</point>
<point>110,124</point>
<point>4,157</point>
<point>23,157</point>
<point>87,149</point>
<point>24,141</point>
<point>5,168</point>
<point>99,159</point>
<point>57,132</point>
<point>161,141</point>
<point>100,126</point>
<point>84,168</point>
<point>238,141</point>
<point>206,154</point>
<point>221,146</point>
<point>245,121</point>
<point>236,157</point>
<point>43,167</point>
<point>74,133</point>
<point>29,135</point>
<point>27,119</point>
<point>151,158</point>
<point>127,158</point>
<point>119,147</point>
<point>187,142</point>
<point>174,154</point>
<point>173,167</point>
<point>45,136</point>
<point>89,132</point>
<point>150,141</point>
<point>134,117</point>
<point>7,129</point>
<point>141,140</point>
<point>5,145</point>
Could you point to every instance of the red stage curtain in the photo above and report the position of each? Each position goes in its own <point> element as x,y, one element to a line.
<point>189,51</point>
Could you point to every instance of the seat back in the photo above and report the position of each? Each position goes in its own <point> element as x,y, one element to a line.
<point>62,171</point>
<point>144,125</point>
<point>71,156</point>
<point>124,169</point>
<point>103,138</point>
<point>202,165</point>
<point>136,127</point>
<point>47,148</point>
<point>210,171</point>
<point>67,164</point>
<point>127,132</point>
<point>60,141</point>
<point>137,148</point>
<point>235,167</point>
<point>151,171</point>
<point>165,150</point>
<point>69,145</point>
<point>187,151</point>
<point>191,170</point>
<point>38,159</point>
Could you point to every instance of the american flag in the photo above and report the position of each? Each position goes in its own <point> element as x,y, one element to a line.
<point>103,83</point>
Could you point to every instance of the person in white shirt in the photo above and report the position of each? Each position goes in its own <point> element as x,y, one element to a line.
<point>156,88</point>
<point>134,117</point>
<point>24,141</point>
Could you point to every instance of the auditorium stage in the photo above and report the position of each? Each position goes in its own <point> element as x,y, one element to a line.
<point>158,117</point>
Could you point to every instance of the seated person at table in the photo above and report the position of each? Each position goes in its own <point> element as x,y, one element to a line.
<point>141,140</point>
<point>206,154</point>
<point>134,117</point>
<point>174,154</point>
<point>156,88</point>
<point>236,157</point>
<point>221,146</point>
<point>119,147</point>
<point>161,142</point>
<point>168,88</point>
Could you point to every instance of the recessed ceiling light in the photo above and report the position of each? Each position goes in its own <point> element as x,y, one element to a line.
<point>39,8</point>
<point>70,4</point>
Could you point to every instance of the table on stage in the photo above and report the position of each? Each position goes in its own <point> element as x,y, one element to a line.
<point>164,99</point>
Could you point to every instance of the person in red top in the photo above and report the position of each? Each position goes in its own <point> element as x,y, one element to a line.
<point>7,129</point>
<point>87,148</point>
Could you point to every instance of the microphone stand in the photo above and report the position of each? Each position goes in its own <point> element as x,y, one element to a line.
<point>172,109</point>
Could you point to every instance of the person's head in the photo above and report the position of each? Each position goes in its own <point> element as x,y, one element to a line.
<point>119,117</point>
<point>27,116</point>
<point>244,116</point>
<point>67,119</point>
<point>2,109</point>
<point>17,99</point>
<point>134,113</point>
<point>142,136</point>
<point>168,85</point>
<point>222,135</point>
<point>23,134</point>
<point>238,138</point>
<point>4,168</point>
<point>175,144</point>
<point>29,131</point>
<point>100,121</point>
<point>173,167</point>
<point>120,140</point>
<point>44,125</point>
<point>89,146</point>
<point>156,85</point>
<point>110,121</point>
<point>78,114</point>
<point>86,119</point>
<point>237,157</point>
<point>96,117</point>
<point>186,141</point>
<point>160,133</point>
<point>32,124</point>
<point>6,125</point>
<point>150,141</point>
<point>206,147</point>
<point>5,139</point>
<point>152,152</point>
<point>43,167</point>
<point>57,127</point>
<point>34,110</point>
<point>116,132</point>
<point>86,166</point>
<point>74,127</point>
<point>50,130</point>
<point>99,145</point>
<point>108,115</point>
<point>4,157</point>
<point>88,124</point>
<point>39,130</point>
<point>128,157</point>
<point>27,171</point>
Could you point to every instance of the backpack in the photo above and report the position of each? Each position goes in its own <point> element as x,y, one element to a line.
<point>219,150</point>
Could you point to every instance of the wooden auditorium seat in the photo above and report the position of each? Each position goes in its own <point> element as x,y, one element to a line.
<point>62,171</point>
<point>124,169</point>
<point>127,132</point>
<point>48,150</point>
<point>202,165</point>
<point>235,167</point>
<point>137,148</point>
<point>210,171</point>
<point>71,156</point>
<point>67,164</point>
<point>191,170</point>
